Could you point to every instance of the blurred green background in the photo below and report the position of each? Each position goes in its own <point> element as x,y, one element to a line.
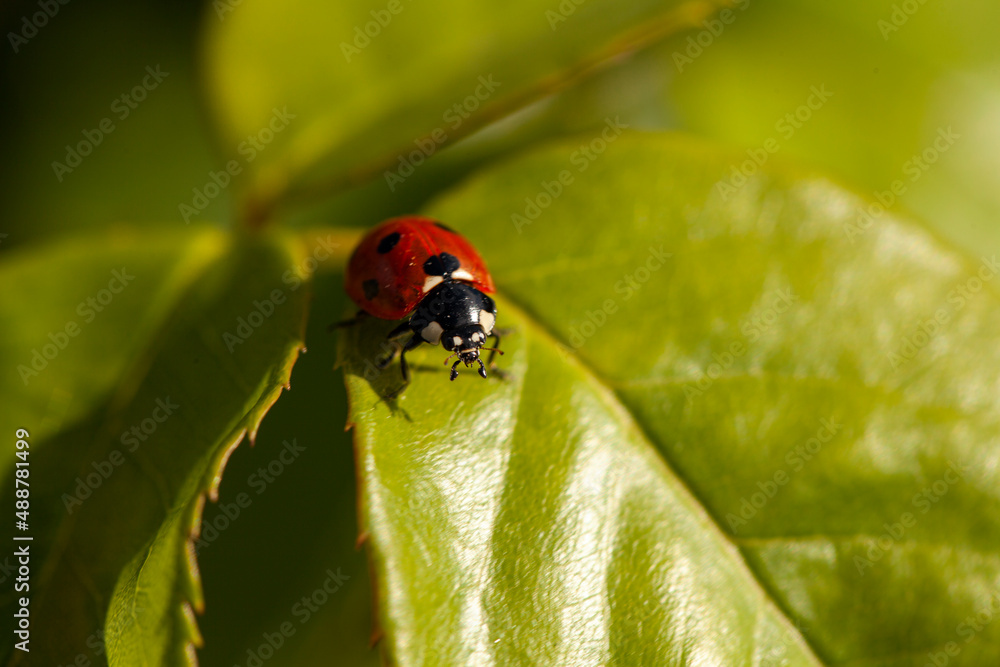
<point>891,92</point>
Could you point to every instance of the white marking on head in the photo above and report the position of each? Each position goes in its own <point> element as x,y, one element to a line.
<point>432,333</point>
<point>456,341</point>
<point>431,282</point>
<point>462,274</point>
<point>476,337</point>
<point>486,321</point>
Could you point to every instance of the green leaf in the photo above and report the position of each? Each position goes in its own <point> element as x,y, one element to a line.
<point>715,444</point>
<point>347,108</point>
<point>274,509</point>
<point>148,399</point>
<point>930,70</point>
<point>142,170</point>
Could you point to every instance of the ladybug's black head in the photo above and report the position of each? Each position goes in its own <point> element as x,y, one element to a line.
<point>458,316</point>
<point>465,343</point>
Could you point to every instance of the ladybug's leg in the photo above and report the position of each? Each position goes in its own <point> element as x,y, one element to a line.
<point>410,344</point>
<point>495,335</point>
<point>391,341</point>
<point>496,346</point>
<point>358,318</point>
<point>398,331</point>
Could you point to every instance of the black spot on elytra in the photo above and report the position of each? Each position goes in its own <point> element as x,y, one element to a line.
<point>371,288</point>
<point>440,265</point>
<point>388,243</point>
<point>445,227</point>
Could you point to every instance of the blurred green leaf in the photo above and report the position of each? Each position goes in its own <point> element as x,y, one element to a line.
<point>896,77</point>
<point>69,79</point>
<point>94,305</point>
<point>632,90</point>
<point>727,414</point>
<point>813,376</point>
<point>346,107</point>
<point>148,401</point>
<point>297,510</point>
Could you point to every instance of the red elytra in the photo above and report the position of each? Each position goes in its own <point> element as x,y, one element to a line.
<point>388,276</point>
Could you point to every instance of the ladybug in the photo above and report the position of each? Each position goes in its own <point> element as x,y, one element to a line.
<point>417,265</point>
